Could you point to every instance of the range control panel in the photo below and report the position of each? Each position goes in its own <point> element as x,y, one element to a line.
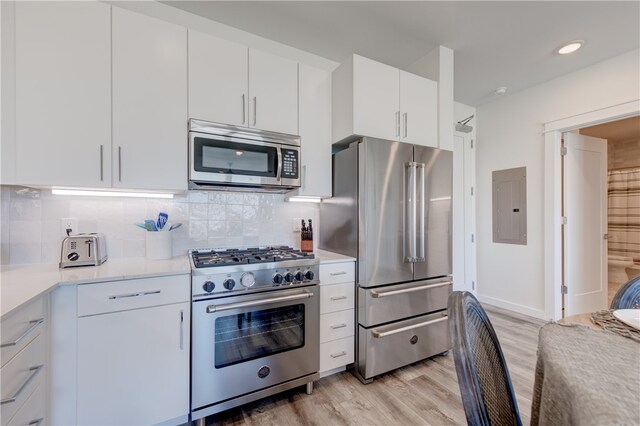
<point>290,163</point>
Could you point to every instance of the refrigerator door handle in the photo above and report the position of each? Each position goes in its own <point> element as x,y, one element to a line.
<point>421,210</point>
<point>410,213</point>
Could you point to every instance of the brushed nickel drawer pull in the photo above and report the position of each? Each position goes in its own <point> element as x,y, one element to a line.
<point>34,371</point>
<point>32,327</point>
<point>377,294</point>
<point>147,293</point>
<point>379,334</point>
<point>335,298</point>
<point>36,422</point>
<point>337,326</point>
<point>333,274</point>
<point>144,293</point>
<point>338,355</point>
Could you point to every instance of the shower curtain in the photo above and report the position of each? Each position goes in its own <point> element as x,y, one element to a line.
<point>624,213</point>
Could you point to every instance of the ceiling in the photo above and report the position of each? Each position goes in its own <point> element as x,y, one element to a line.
<point>616,131</point>
<point>501,43</point>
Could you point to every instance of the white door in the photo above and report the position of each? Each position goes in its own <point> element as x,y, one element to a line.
<point>149,103</point>
<point>63,93</point>
<point>585,207</point>
<point>273,92</point>
<point>218,80</point>
<point>376,99</point>
<point>133,366</point>
<point>418,110</point>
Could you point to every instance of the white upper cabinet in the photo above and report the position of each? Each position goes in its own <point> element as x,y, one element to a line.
<point>315,131</point>
<point>376,100</point>
<point>63,93</point>
<point>273,89</point>
<point>232,84</point>
<point>149,103</point>
<point>218,79</point>
<point>419,110</point>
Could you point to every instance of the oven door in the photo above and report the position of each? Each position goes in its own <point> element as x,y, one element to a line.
<point>229,160</point>
<point>242,344</point>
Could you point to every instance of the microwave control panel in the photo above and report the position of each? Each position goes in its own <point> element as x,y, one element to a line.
<point>290,163</point>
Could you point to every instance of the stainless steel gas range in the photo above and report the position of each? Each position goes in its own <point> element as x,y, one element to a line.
<point>255,329</point>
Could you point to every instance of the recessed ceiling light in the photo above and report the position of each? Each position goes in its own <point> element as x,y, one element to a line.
<point>570,47</point>
<point>500,90</point>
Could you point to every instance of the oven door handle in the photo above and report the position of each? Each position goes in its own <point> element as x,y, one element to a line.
<point>279,173</point>
<point>229,306</point>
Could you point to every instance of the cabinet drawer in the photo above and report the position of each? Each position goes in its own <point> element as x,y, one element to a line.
<point>336,325</point>
<point>336,297</point>
<point>334,273</point>
<point>33,411</point>
<point>21,376</point>
<point>123,295</point>
<point>21,327</point>
<point>336,354</point>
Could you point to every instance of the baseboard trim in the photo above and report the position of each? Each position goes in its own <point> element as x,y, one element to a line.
<point>521,309</point>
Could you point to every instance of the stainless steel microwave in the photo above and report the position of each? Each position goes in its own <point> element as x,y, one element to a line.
<point>222,156</point>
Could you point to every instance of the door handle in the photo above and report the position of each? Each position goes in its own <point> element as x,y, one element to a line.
<point>378,294</point>
<point>410,213</point>
<point>279,172</point>
<point>244,118</point>
<point>32,327</point>
<point>101,163</point>
<point>255,110</point>
<point>421,213</point>
<point>119,164</point>
<point>405,124</point>
<point>181,329</point>
<point>229,306</point>
<point>398,123</point>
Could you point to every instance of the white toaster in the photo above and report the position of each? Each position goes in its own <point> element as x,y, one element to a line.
<point>83,250</point>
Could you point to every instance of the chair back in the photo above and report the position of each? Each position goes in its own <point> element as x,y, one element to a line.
<point>627,296</point>
<point>483,377</point>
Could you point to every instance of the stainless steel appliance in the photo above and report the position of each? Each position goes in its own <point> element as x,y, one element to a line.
<point>222,156</point>
<point>83,250</point>
<point>255,325</point>
<point>391,209</point>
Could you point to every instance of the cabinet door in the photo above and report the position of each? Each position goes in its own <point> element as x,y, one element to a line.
<point>376,98</point>
<point>133,366</point>
<point>218,80</point>
<point>63,93</point>
<point>273,89</point>
<point>419,110</point>
<point>315,131</point>
<point>149,103</point>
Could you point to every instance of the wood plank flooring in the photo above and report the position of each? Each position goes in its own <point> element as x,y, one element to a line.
<point>425,393</point>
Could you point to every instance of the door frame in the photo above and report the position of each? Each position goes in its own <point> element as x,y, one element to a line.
<point>553,194</point>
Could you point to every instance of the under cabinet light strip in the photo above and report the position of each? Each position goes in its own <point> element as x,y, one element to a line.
<point>304,199</point>
<point>82,192</point>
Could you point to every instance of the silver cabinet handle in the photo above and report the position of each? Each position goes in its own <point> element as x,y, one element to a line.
<point>120,164</point>
<point>405,124</point>
<point>380,334</point>
<point>244,118</point>
<point>337,326</point>
<point>398,123</point>
<point>143,293</point>
<point>181,329</point>
<point>101,163</point>
<point>421,212</point>
<point>32,327</point>
<point>338,355</point>
<point>255,110</point>
<point>34,371</point>
<point>229,306</point>
<point>334,298</point>
<point>378,294</point>
<point>334,274</point>
<point>36,422</point>
<point>304,177</point>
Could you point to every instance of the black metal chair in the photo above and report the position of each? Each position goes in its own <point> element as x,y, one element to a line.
<point>485,385</point>
<point>627,296</point>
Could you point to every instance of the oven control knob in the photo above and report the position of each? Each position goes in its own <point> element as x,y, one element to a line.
<point>248,279</point>
<point>299,276</point>
<point>277,278</point>
<point>309,275</point>
<point>288,277</point>
<point>229,283</point>
<point>208,286</point>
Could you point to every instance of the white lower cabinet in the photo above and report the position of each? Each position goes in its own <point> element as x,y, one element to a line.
<point>337,316</point>
<point>133,364</point>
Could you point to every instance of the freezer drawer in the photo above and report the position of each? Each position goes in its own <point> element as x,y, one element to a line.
<point>396,302</point>
<point>385,348</point>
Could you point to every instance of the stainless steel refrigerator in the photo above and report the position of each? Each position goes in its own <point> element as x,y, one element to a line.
<point>391,209</point>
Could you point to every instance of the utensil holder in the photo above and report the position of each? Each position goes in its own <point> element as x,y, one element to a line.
<point>159,245</point>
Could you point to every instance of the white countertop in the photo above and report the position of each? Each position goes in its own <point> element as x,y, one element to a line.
<point>331,257</point>
<point>20,284</point>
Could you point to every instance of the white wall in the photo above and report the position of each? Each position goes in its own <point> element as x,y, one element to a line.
<point>510,135</point>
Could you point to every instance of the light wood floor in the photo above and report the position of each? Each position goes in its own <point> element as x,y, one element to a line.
<point>425,393</point>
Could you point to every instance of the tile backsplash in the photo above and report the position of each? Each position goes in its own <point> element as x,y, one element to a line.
<point>30,221</point>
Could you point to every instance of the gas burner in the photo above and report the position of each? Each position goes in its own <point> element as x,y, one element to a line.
<point>208,258</point>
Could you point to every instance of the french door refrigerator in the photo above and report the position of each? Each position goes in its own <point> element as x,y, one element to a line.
<point>391,210</point>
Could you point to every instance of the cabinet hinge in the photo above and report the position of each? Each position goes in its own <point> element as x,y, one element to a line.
<point>472,190</point>
<point>563,220</point>
<point>471,143</point>
<point>563,289</point>
<point>563,150</point>
<point>473,285</point>
<point>472,238</point>
<point>605,236</point>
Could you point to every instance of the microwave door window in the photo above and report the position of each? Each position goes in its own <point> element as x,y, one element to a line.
<point>215,156</point>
